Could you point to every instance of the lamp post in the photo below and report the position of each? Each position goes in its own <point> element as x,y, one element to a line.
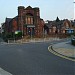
<point>22,24</point>
<point>31,33</point>
<point>74,11</point>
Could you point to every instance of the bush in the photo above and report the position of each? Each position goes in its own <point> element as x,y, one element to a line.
<point>18,36</point>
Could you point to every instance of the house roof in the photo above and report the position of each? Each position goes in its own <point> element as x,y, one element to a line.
<point>15,17</point>
<point>8,19</point>
<point>54,23</point>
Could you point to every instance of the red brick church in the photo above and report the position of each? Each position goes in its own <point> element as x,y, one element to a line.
<point>27,21</point>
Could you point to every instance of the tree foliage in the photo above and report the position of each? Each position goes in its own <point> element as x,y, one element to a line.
<point>57,19</point>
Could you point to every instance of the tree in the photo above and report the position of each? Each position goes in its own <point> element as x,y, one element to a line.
<point>57,19</point>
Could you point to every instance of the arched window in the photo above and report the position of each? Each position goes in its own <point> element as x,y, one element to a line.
<point>29,18</point>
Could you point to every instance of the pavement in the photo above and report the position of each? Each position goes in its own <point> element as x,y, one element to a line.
<point>3,72</point>
<point>65,49</point>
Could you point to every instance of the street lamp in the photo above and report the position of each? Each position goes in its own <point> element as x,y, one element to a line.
<point>31,33</point>
<point>74,11</point>
<point>22,24</point>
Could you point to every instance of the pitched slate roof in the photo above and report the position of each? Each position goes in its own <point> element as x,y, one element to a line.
<point>8,19</point>
<point>54,23</point>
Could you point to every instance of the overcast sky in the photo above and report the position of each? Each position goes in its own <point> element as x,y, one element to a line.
<point>49,9</point>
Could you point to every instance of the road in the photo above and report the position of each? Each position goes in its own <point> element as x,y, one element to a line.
<point>33,59</point>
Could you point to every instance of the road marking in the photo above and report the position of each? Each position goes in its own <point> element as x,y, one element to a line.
<point>57,54</point>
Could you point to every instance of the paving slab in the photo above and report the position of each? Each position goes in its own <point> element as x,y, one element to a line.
<point>3,72</point>
<point>65,48</point>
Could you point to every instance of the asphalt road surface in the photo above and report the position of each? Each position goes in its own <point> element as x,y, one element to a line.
<point>33,59</point>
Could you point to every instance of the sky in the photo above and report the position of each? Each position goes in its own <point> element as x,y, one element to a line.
<point>49,9</point>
